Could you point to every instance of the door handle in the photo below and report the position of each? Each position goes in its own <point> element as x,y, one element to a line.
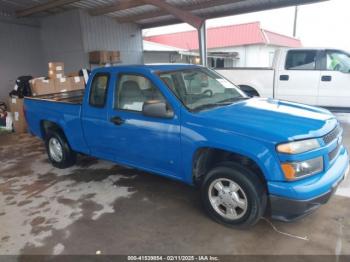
<point>326,78</point>
<point>117,120</point>
<point>284,77</point>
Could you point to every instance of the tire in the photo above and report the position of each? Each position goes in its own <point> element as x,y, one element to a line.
<point>58,150</point>
<point>246,188</point>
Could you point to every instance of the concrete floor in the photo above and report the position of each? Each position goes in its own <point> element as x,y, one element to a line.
<point>98,206</point>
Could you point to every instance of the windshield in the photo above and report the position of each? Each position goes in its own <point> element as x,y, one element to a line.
<point>201,88</point>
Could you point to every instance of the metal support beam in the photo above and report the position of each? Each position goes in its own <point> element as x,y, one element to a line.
<point>184,16</point>
<point>188,7</point>
<point>295,22</point>
<point>44,7</point>
<point>236,11</point>
<point>119,6</point>
<point>202,39</point>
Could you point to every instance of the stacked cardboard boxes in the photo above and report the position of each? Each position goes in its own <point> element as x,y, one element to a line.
<point>42,86</point>
<point>56,70</point>
<point>17,110</point>
<point>104,57</point>
<point>77,82</point>
<point>57,81</point>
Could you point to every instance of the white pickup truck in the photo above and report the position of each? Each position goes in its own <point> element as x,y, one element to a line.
<point>312,76</point>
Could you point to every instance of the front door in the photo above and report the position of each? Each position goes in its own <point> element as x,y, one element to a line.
<point>334,90</point>
<point>146,142</point>
<point>297,80</point>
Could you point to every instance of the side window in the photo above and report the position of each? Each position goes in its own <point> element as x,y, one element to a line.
<point>338,61</point>
<point>98,90</point>
<point>301,60</point>
<point>133,91</point>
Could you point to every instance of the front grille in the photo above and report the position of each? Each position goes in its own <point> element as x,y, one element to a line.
<point>333,153</point>
<point>331,136</point>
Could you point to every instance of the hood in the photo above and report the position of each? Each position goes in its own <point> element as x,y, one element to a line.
<point>271,120</point>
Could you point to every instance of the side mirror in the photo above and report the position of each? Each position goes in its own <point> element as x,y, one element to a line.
<point>156,108</point>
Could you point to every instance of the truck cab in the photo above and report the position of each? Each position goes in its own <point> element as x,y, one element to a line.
<point>313,76</point>
<point>189,123</point>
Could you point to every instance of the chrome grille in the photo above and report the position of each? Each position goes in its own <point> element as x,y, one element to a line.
<point>331,136</point>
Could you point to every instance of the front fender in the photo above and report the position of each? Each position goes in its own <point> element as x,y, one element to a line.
<point>196,137</point>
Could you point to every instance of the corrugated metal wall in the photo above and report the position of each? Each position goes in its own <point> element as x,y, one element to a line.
<point>62,40</point>
<point>20,54</point>
<point>65,37</point>
<point>69,36</point>
<point>105,33</point>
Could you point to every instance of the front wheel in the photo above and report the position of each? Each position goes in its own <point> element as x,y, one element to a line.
<point>233,195</point>
<point>58,150</point>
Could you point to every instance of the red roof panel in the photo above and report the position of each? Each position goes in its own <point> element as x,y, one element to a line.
<point>281,40</point>
<point>225,36</point>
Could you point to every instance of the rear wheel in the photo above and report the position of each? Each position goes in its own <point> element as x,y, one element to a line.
<point>233,195</point>
<point>58,150</point>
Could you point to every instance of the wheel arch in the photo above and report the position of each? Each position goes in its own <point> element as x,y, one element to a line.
<point>47,125</point>
<point>249,90</point>
<point>205,158</point>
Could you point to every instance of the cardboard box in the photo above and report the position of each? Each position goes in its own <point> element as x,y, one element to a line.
<point>62,84</point>
<point>77,82</point>
<point>56,66</point>
<point>114,56</point>
<point>56,70</point>
<point>53,75</point>
<point>19,121</point>
<point>42,86</point>
<point>72,74</point>
<point>99,57</point>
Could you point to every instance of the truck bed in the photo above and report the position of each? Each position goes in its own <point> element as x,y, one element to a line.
<point>64,109</point>
<point>71,97</point>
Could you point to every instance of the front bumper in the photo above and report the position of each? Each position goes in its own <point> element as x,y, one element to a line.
<point>288,210</point>
<point>305,196</point>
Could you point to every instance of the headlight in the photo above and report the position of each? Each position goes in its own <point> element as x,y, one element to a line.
<point>298,147</point>
<point>296,170</point>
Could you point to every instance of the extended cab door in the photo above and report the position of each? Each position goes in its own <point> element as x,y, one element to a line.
<point>95,115</point>
<point>334,89</point>
<point>145,142</point>
<point>298,76</point>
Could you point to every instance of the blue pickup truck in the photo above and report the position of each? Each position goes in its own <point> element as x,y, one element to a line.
<point>248,156</point>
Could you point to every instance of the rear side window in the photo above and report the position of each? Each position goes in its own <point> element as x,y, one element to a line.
<point>98,90</point>
<point>301,60</point>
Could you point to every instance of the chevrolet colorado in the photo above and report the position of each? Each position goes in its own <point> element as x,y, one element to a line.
<point>247,155</point>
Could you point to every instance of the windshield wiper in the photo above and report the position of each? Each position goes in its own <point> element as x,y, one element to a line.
<point>225,102</point>
<point>231,100</point>
<point>206,106</point>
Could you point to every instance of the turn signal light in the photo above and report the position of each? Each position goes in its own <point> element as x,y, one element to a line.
<point>289,171</point>
<point>297,170</point>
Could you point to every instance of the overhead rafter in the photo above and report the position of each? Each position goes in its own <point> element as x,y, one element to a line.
<point>236,11</point>
<point>183,15</point>
<point>119,6</point>
<point>190,7</point>
<point>44,7</point>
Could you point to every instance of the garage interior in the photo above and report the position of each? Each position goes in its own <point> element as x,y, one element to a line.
<point>97,206</point>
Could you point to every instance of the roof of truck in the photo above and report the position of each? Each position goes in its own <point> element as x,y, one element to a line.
<point>151,67</point>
